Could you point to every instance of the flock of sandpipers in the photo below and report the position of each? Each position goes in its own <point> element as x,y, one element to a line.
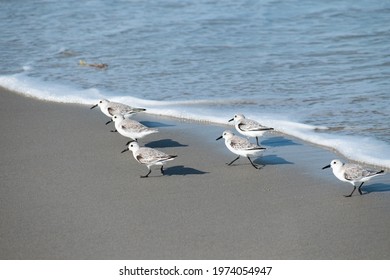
<point>119,114</point>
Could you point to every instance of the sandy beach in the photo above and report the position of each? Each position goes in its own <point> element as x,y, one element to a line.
<point>67,192</point>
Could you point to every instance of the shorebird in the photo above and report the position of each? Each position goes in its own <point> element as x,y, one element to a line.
<point>131,128</point>
<point>149,156</point>
<point>114,108</point>
<point>240,146</point>
<point>352,173</point>
<point>248,127</point>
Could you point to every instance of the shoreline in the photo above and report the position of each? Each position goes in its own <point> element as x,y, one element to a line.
<point>361,157</point>
<point>68,193</point>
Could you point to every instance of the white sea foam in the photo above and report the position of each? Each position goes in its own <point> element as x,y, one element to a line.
<point>27,67</point>
<point>48,91</point>
<point>362,149</point>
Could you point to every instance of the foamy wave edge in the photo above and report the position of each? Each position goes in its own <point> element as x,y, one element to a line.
<point>361,149</point>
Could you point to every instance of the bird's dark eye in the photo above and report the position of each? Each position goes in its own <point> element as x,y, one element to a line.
<point>334,162</point>
<point>100,101</point>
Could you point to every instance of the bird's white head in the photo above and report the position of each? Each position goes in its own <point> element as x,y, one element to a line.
<point>134,146</point>
<point>237,118</point>
<point>103,102</point>
<point>118,118</point>
<point>227,134</point>
<point>334,164</point>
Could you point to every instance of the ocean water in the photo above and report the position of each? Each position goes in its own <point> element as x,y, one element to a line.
<point>316,70</point>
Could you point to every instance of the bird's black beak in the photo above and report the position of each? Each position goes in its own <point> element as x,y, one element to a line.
<point>93,106</point>
<point>326,166</point>
<point>108,122</point>
<point>231,120</point>
<point>125,150</point>
<point>218,138</point>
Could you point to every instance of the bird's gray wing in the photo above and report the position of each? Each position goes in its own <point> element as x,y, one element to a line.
<point>353,172</point>
<point>251,125</point>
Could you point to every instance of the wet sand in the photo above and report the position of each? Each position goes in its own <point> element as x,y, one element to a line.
<point>67,192</point>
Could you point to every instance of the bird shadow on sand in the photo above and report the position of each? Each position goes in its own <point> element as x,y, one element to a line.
<point>164,143</point>
<point>182,170</point>
<point>271,160</point>
<point>379,187</point>
<point>278,141</point>
<point>155,124</point>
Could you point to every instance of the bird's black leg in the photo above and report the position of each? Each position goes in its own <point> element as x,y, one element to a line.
<point>233,160</point>
<point>252,163</point>
<point>162,169</point>
<point>257,141</point>
<point>114,130</point>
<point>359,189</point>
<point>150,170</point>
<point>354,188</point>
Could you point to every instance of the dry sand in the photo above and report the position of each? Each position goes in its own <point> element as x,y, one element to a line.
<point>67,192</point>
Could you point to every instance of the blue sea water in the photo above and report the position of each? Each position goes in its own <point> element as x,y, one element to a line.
<point>316,70</point>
